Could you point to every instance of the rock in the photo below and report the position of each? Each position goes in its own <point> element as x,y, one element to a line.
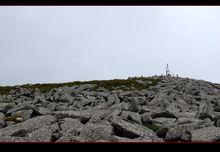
<point>52,106</point>
<point>217,124</point>
<point>28,125</point>
<point>203,115</point>
<point>24,114</point>
<point>135,117</point>
<point>126,129</point>
<point>99,116</point>
<point>42,101</point>
<point>161,132</point>
<point>149,109</point>
<point>81,115</point>
<point>206,134</point>
<point>173,108</point>
<point>44,134</point>
<point>160,100</point>
<point>164,121</point>
<point>186,137</point>
<point>2,116</point>
<point>88,102</point>
<point>112,99</point>
<point>82,88</point>
<point>44,111</point>
<point>2,124</point>
<point>133,105</point>
<point>24,107</point>
<point>70,139</point>
<point>124,139</point>
<point>185,120</point>
<point>62,106</point>
<point>69,126</point>
<point>14,139</point>
<point>124,114</point>
<point>4,107</point>
<point>164,114</point>
<point>20,91</point>
<point>115,138</point>
<point>94,132</point>
<point>113,113</point>
<point>177,132</point>
<point>146,118</point>
<point>123,106</point>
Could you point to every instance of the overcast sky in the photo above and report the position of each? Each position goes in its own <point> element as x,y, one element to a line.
<point>41,44</point>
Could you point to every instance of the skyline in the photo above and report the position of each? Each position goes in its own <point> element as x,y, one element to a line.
<point>65,43</point>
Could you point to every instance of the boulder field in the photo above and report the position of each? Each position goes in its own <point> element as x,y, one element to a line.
<point>151,109</point>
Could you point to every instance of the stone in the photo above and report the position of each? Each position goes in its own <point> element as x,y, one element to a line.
<point>99,116</point>
<point>44,134</point>
<point>149,109</point>
<point>4,107</point>
<point>52,106</point>
<point>82,88</point>
<point>44,111</point>
<point>176,132</point>
<point>185,120</point>
<point>207,134</point>
<point>124,114</point>
<point>164,114</point>
<point>135,117</point>
<point>69,125</point>
<point>24,107</point>
<point>133,105</point>
<point>2,116</point>
<point>127,129</point>
<point>94,132</point>
<point>81,115</point>
<point>28,125</point>
<point>24,114</point>
<point>203,115</point>
<point>164,121</point>
<point>160,100</point>
<point>113,113</point>
<point>14,139</point>
<point>146,118</point>
<point>70,139</point>
<point>112,99</point>
<point>217,124</point>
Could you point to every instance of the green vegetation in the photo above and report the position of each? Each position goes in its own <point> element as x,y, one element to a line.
<point>5,90</point>
<point>123,84</point>
<point>14,118</point>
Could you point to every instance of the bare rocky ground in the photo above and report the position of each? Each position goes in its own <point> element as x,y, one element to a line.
<point>173,109</point>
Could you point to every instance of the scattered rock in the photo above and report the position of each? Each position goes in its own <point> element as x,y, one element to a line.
<point>206,134</point>
<point>82,116</point>
<point>94,132</point>
<point>70,126</point>
<point>28,125</point>
<point>167,109</point>
<point>126,129</point>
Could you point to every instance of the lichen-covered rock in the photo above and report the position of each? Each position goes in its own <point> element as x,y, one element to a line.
<point>28,125</point>
<point>95,132</point>
<point>207,134</point>
<point>126,129</point>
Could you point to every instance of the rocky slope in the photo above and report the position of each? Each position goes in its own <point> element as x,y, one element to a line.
<point>153,109</point>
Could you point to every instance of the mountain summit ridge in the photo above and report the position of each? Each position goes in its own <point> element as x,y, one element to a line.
<point>137,109</point>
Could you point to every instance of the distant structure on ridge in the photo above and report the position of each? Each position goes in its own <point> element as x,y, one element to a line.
<point>167,70</point>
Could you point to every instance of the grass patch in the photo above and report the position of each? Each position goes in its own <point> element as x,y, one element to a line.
<point>14,118</point>
<point>5,90</point>
<point>115,84</point>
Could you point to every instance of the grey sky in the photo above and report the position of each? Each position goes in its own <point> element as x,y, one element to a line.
<point>69,43</point>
